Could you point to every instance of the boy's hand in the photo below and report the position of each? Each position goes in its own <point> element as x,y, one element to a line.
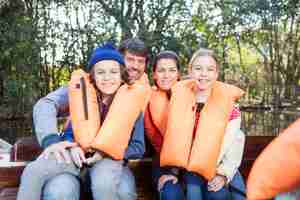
<point>60,151</point>
<point>96,157</point>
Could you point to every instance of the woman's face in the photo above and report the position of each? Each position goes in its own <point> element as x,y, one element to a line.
<point>107,75</point>
<point>166,73</point>
<point>204,69</point>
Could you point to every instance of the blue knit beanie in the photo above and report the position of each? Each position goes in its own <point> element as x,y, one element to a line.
<point>105,52</point>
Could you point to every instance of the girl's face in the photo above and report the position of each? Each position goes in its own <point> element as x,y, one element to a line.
<point>204,69</point>
<point>166,73</point>
<point>107,75</point>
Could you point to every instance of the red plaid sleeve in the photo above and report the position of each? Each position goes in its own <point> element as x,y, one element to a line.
<point>235,113</point>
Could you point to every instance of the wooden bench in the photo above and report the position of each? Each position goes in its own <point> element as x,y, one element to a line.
<point>28,149</point>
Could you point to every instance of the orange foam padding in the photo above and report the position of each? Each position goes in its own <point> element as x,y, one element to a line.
<point>115,132</point>
<point>277,168</point>
<point>159,109</point>
<point>211,128</point>
<point>200,155</point>
<point>84,109</point>
<point>179,134</point>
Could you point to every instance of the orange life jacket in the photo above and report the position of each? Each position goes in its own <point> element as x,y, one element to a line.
<point>277,168</point>
<point>159,109</point>
<point>115,131</point>
<point>201,154</point>
<point>113,135</point>
<point>84,108</point>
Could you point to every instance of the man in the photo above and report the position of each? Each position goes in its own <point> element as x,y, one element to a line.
<point>136,57</point>
<point>55,104</point>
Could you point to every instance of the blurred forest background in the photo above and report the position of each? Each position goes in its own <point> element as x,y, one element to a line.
<point>258,42</point>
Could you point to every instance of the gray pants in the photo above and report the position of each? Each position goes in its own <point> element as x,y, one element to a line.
<point>48,180</point>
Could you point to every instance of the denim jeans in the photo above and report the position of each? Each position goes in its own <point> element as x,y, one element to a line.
<point>193,187</point>
<point>56,188</point>
<point>49,180</point>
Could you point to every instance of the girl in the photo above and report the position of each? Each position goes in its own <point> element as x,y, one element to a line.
<point>203,67</point>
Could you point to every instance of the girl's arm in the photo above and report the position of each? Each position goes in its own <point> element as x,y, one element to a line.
<point>233,146</point>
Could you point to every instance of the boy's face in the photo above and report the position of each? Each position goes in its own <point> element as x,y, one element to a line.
<point>135,65</point>
<point>204,69</point>
<point>107,75</point>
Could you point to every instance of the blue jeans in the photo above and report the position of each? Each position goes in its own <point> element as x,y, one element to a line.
<point>169,190</point>
<point>56,188</point>
<point>49,180</point>
<point>196,187</point>
<point>109,180</point>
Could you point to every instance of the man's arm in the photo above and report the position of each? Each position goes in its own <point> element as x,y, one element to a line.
<point>45,113</point>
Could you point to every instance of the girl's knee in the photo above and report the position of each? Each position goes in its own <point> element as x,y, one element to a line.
<point>171,191</point>
<point>219,195</point>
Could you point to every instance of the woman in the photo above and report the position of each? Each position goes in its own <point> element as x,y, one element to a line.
<point>169,180</point>
<point>110,178</point>
<point>165,74</point>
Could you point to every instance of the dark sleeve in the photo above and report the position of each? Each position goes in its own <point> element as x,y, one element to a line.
<point>136,146</point>
<point>68,133</point>
<point>152,132</point>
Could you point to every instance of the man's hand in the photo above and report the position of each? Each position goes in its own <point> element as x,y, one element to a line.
<point>60,151</point>
<point>78,156</point>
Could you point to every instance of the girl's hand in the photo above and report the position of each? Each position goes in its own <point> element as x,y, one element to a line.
<point>217,183</point>
<point>165,178</point>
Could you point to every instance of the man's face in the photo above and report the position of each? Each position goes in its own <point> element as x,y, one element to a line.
<point>135,65</point>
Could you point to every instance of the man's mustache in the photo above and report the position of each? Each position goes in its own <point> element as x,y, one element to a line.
<point>133,69</point>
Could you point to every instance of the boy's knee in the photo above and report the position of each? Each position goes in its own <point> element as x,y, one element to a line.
<point>127,188</point>
<point>103,180</point>
<point>64,186</point>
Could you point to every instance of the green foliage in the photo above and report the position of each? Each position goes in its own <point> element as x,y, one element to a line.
<point>42,42</point>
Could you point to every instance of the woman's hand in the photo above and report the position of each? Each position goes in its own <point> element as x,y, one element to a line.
<point>60,151</point>
<point>78,156</point>
<point>217,183</point>
<point>165,178</point>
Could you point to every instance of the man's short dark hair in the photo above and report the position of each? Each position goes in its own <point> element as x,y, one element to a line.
<point>134,46</point>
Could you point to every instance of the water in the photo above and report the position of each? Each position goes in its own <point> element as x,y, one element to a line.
<point>267,123</point>
<point>264,123</point>
<point>11,130</point>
